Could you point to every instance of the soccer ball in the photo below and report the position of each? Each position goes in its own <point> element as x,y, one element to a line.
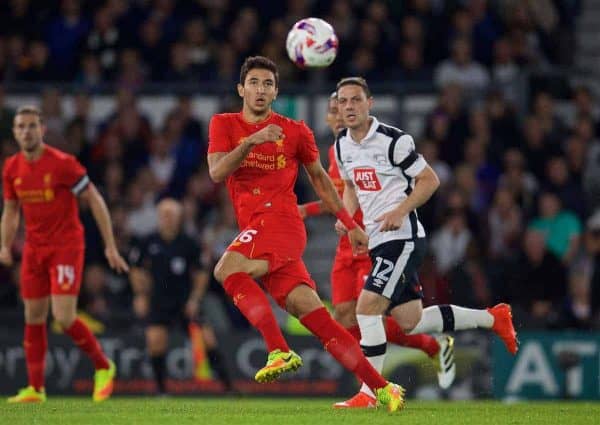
<point>312,43</point>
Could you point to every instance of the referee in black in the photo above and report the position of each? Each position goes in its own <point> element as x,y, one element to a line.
<point>169,283</point>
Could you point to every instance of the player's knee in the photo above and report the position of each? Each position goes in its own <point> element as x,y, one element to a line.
<point>221,272</point>
<point>64,319</point>
<point>345,314</point>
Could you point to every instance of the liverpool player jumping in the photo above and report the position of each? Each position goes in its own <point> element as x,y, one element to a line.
<point>45,183</point>
<point>258,153</point>
<point>348,276</point>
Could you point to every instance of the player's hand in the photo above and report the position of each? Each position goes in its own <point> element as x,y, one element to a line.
<point>340,229</point>
<point>270,133</point>
<point>191,309</point>
<point>302,211</point>
<point>6,258</point>
<point>359,240</point>
<point>115,261</point>
<point>391,220</point>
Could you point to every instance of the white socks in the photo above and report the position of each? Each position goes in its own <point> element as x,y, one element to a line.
<point>373,343</point>
<point>447,318</point>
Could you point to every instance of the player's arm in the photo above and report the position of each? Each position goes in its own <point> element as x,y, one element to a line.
<point>222,164</point>
<point>9,224</point>
<point>103,220</point>
<point>141,283</point>
<point>426,183</point>
<point>326,190</point>
<point>199,286</point>
<point>311,209</point>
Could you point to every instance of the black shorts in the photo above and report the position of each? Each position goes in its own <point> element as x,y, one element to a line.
<point>172,315</point>
<point>394,272</point>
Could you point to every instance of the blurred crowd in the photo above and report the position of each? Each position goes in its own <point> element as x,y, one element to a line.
<point>132,42</point>
<point>517,217</point>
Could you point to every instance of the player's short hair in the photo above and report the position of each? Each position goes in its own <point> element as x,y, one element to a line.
<point>258,62</point>
<point>354,81</point>
<point>31,110</point>
<point>333,96</point>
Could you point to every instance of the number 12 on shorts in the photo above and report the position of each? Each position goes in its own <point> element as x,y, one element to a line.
<point>380,277</point>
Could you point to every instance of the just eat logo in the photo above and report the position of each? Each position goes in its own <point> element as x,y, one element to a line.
<point>366,179</point>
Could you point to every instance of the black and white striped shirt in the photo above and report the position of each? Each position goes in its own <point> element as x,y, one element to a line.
<point>382,168</point>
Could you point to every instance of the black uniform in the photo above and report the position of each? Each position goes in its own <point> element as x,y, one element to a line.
<point>171,265</point>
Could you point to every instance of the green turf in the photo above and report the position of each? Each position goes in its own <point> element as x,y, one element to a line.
<point>263,411</point>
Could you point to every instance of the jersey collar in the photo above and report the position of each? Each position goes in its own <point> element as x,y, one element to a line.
<point>370,133</point>
<point>373,128</point>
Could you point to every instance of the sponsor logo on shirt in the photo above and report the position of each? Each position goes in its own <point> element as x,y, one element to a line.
<point>366,179</point>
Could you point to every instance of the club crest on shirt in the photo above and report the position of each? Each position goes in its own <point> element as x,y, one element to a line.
<point>366,179</point>
<point>47,178</point>
<point>279,144</point>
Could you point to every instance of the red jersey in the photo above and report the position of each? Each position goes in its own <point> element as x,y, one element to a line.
<point>334,173</point>
<point>46,190</point>
<point>265,180</point>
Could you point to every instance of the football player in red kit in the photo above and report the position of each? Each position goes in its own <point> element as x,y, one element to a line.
<point>45,183</point>
<point>258,153</point>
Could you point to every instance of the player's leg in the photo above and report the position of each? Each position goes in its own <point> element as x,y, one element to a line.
<point>445,318</point>
<point>411,307</point>
<point>157,341</point>
<point>215,356</point>
<point>35,344</point>
<point>35,291</point>
<point>236,273</point>
<point>303,302</point>
<point>65,268</point>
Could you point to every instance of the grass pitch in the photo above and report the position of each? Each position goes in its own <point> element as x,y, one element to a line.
<point>296,411</point>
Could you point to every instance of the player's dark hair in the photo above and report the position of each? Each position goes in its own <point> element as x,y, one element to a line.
<point>30,109</point>
<point>354,81</point>
<point>258,62</point>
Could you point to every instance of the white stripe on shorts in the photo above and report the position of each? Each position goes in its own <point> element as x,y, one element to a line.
<point>399,267</point>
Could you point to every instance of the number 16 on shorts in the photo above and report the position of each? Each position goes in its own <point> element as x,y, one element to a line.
<point>245,237</point>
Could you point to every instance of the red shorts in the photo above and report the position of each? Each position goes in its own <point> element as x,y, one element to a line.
<point>51,270</point>
<point>280,240</point>
<point>348,276</point>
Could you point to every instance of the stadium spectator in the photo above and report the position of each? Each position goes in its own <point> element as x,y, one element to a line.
<point>538,283</point>
<point>561,228</point>
<point>461,69</point>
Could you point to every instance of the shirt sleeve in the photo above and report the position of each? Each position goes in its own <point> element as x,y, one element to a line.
<point>407,158</point>
<point>307,146</point>
<point>7,185</point>
<point>74,175</point>
<point>218,136</point>
<point>338,161</point>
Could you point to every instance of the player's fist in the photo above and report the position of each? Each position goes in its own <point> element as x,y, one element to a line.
<point>6,257</point>
<point>391,220</point>
<point>270,133</point>
<point>359,241</point>
<point>302,211</point>
<point>115,261</point>
<point>340,229</point>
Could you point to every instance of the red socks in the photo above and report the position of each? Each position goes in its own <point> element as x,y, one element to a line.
<point>342,346</point>
<point>423,342</point>
<point>251,300</point>
<point>396,335</point>
<point>36,344</point>
<point>87,342</point>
